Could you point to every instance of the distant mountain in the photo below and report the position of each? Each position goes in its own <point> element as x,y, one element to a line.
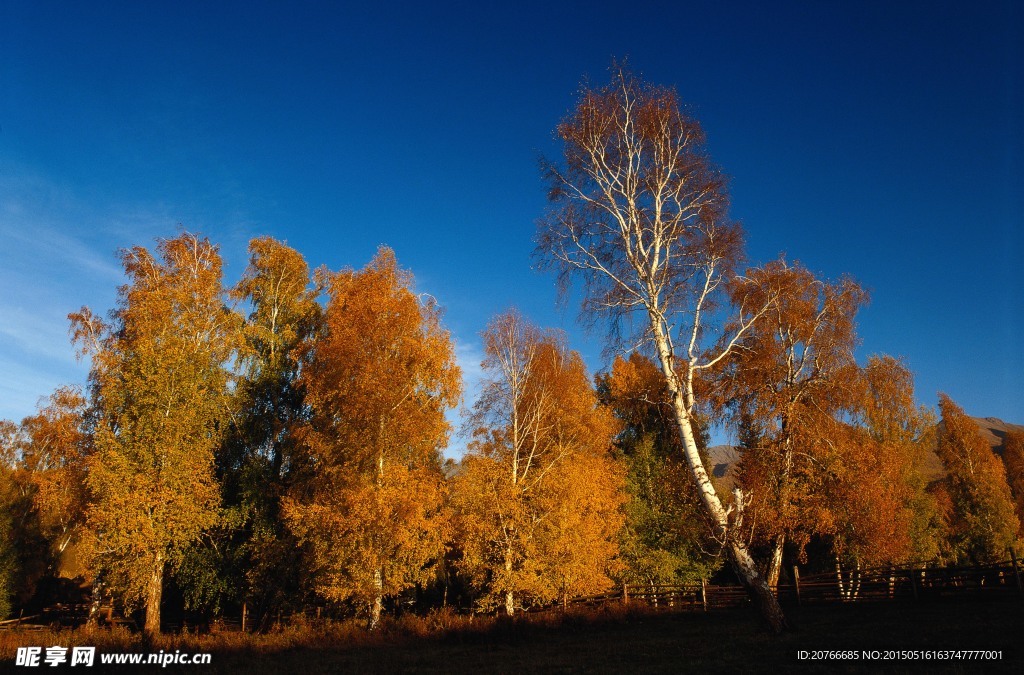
<point>724,459</point>
<point>994,431</point>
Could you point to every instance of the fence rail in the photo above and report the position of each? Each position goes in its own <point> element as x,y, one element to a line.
<point>841,586</point>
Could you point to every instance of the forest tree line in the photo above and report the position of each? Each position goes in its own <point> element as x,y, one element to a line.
<point>294,456</point>
<point>280,442</point>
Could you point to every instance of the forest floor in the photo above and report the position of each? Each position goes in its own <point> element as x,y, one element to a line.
<point>615,640</point>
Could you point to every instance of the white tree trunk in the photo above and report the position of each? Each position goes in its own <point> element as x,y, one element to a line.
<point>843,592</point>
<point>775,562</point>
<point>96,601</point>
<point>742,562</point>
<point>378,599</point>
<point>510,601</point>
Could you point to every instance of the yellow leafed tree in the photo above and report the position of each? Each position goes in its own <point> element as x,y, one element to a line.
<point>160,383</point>
<point>54,454</point>
<point>378,379</point>
<point>981,521</point>
<point>538,498</point>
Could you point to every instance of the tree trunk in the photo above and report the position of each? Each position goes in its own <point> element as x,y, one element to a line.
<point>154,594</point>
<point>742,561</point>
<point>378,598</point>
<point>765,601</point>
<point>96,602</point>
<point>510,605</point>
<point>839,580</point>
<point>775,564</point>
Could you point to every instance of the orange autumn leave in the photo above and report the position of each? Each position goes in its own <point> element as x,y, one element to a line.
<point>378,380</point>
<point>538,498</point>
<point>1013,458</point>
<point>886,470</point>
<point>55,448</point>
<point>160,384</point>
<point>787,381</point>
<point>981,518</point>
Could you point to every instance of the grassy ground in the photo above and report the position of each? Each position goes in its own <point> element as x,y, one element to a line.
<point>614,641</point>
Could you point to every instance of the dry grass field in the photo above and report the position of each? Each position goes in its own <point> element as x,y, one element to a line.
<point>611,640</point>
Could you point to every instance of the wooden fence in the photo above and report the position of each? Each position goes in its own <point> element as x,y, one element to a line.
<point>839,586</point>
<point>56,616</point>
<point>913,583</point>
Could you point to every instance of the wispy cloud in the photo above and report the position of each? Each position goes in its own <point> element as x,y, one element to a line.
<point>469,356</point>
<point>47,230</point>
<point>58,254</point>
<point>24,383</point>
<point>38,334</point>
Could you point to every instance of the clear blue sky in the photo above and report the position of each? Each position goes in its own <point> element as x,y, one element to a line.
<point>883,140</point>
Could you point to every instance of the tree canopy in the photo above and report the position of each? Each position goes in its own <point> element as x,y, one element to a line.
<point>538,497</point>
<point>160,387</point>
<point>981,519</point>
<point>378,381</point>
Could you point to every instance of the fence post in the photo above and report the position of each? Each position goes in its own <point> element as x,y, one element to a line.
<point>625,593</point>
<point>244,613</point>
<point>796,583</point>
<point>1016,569</point>
<point>913,582</point>
<point>704,593</point>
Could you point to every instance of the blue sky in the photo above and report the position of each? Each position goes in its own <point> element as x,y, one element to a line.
<point>880,140</point>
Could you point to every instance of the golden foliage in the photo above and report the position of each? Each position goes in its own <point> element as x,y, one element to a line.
<point>895,438</point>
<point>538,499</point>
<point>638,393</point>
<point>1013,458</point>
<point>786,383</point>
<point>269,403</point>
<point>372,539</point>
<point>54,453</point>
<point>378,381</point>
<point>284,307</point>
<point>982,522</point>
<point>160,385</point>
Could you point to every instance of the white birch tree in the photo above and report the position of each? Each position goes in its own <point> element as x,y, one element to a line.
<point>538,498</point>
<point>640,214</point>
